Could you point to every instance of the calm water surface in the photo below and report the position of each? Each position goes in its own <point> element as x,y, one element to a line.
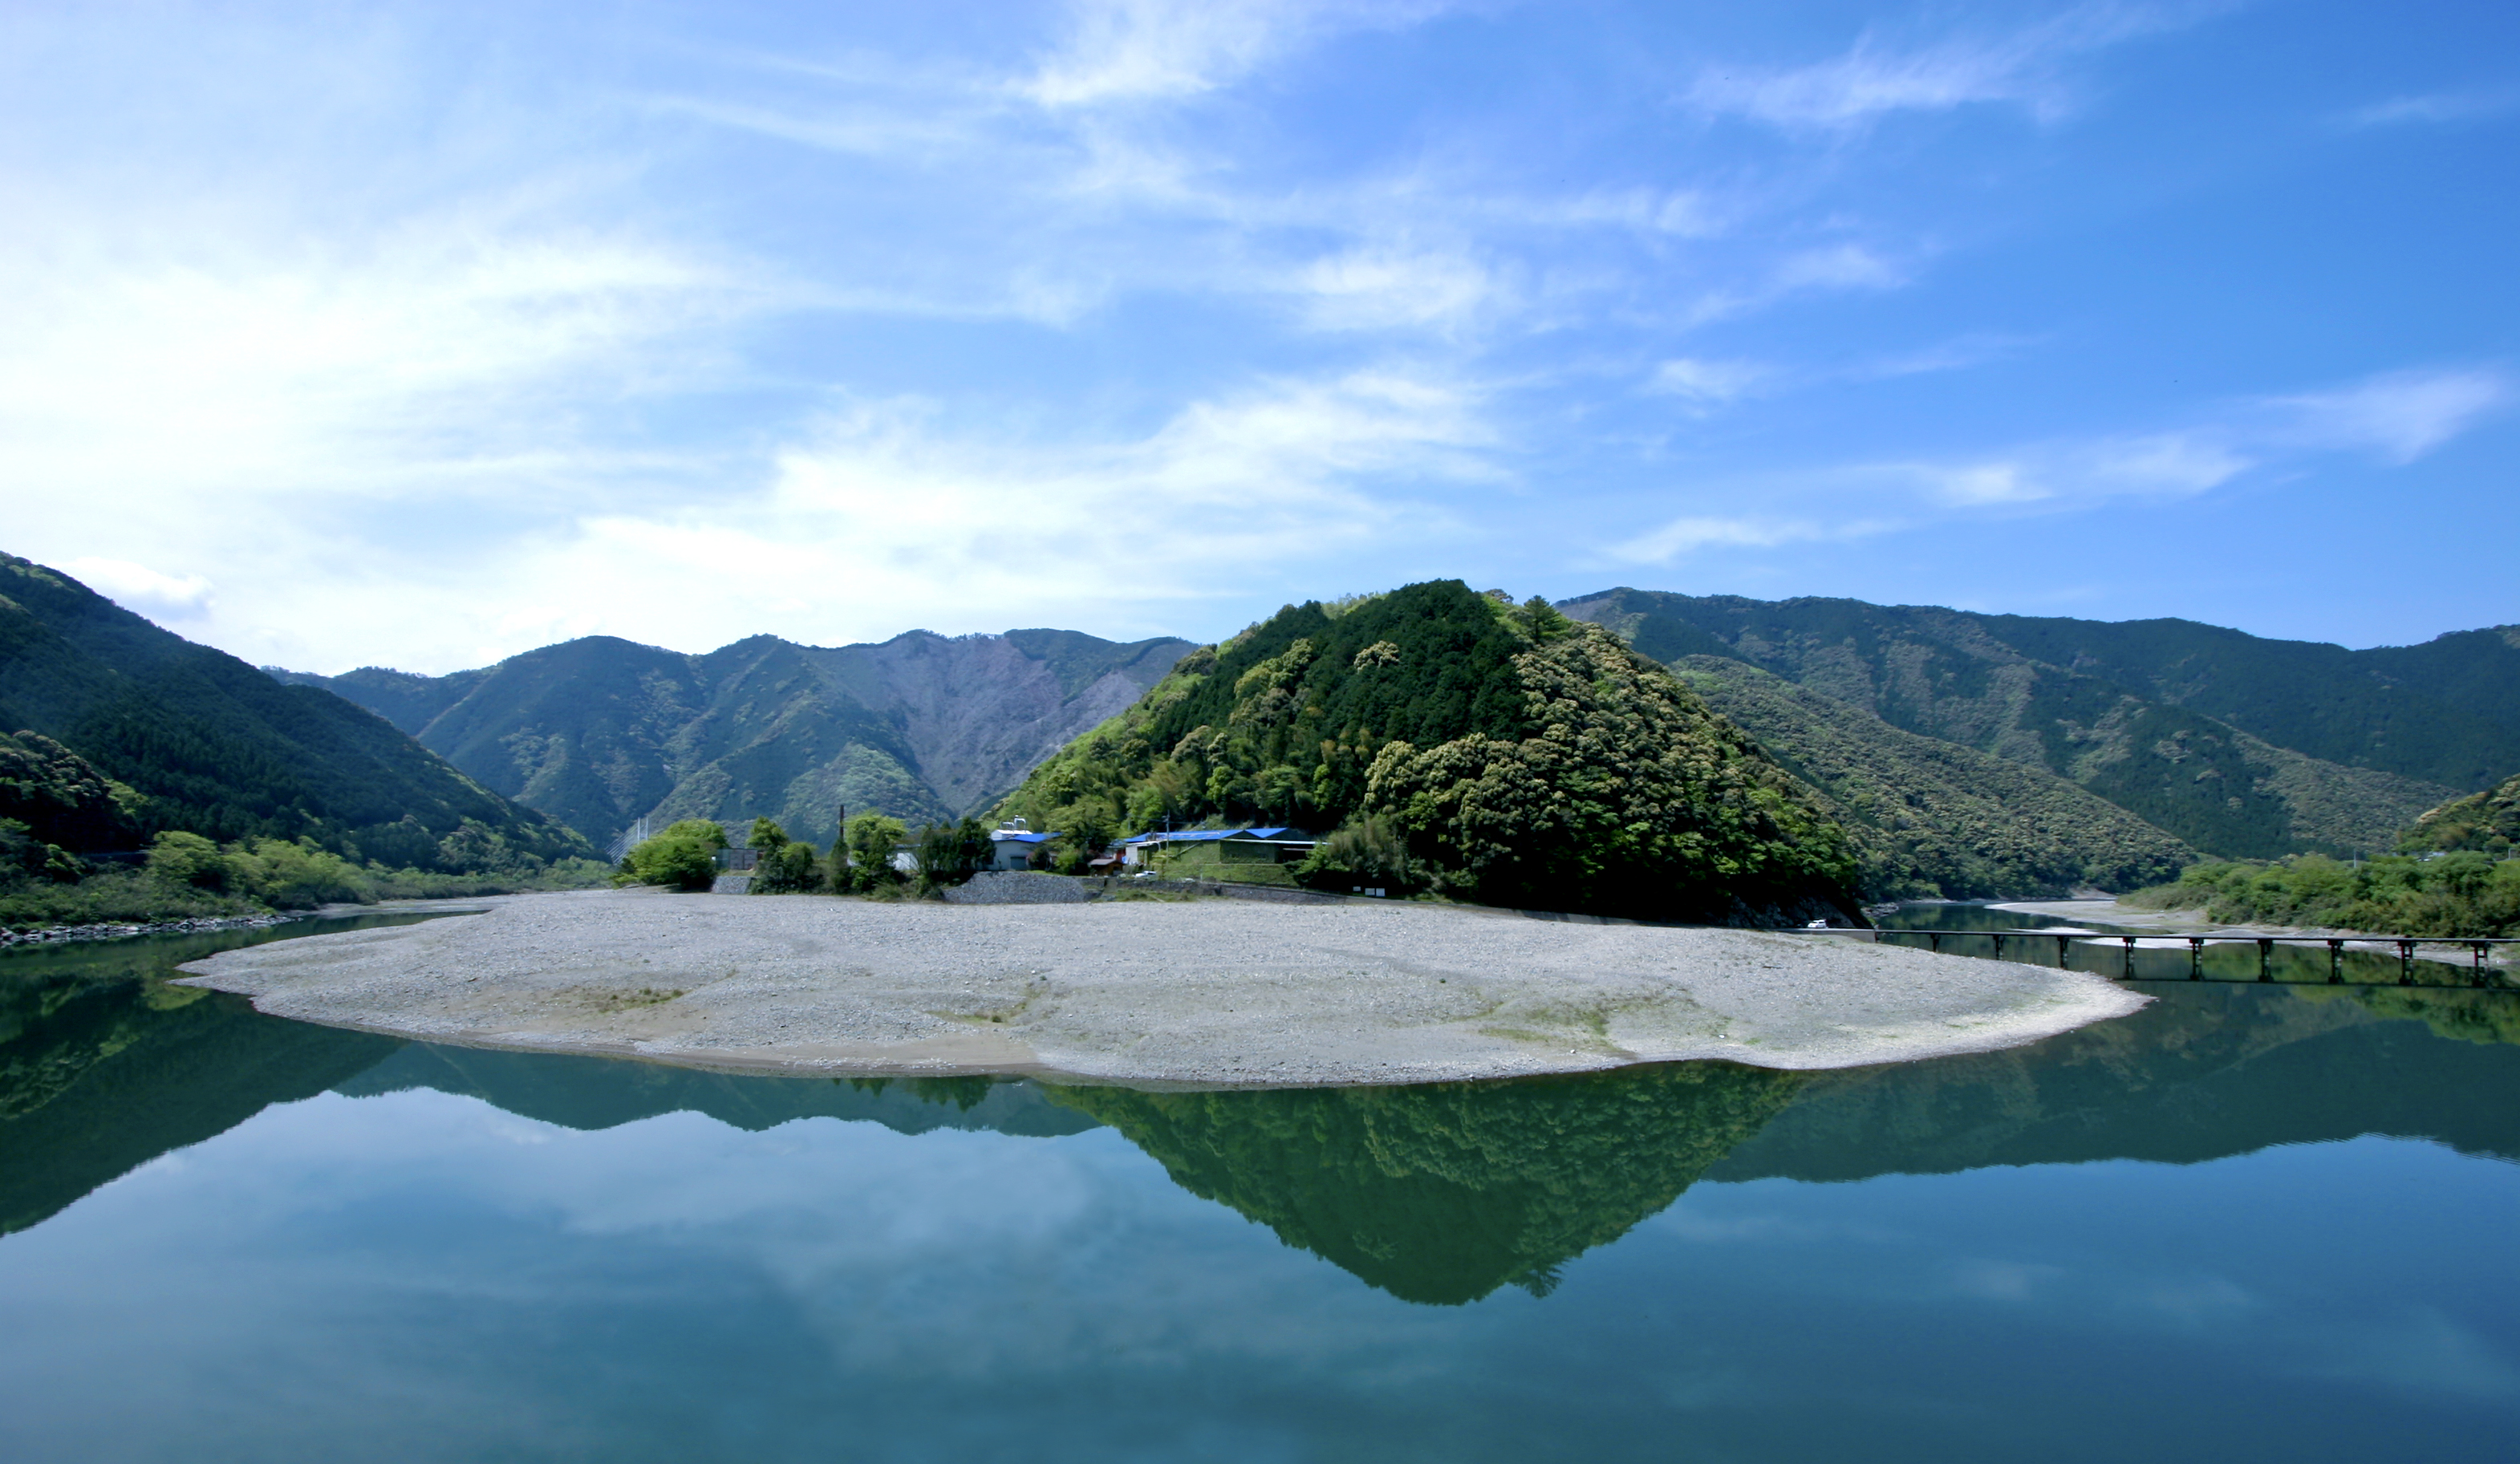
<point>2249,1222</point>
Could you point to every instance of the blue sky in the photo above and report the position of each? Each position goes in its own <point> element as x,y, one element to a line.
<point>424,334</point>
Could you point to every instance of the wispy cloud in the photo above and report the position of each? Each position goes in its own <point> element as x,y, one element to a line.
<point>1799,272</point>
<point>2435,107</point>
<point>1146,50</point>
<point>1877,77</point>
<point>2158,464</point>
<point>1682,537</point>
<point>1703,386</point>
<point>1381,289</point>
<point>887,515</point>
<point>1225,493</point>
<point>2398,417</point>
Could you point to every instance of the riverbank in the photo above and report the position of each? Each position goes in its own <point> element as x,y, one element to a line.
<point>115,930</point>
<point>1203,994</point>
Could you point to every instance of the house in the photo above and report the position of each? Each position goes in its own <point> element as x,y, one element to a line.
<point>1013,846</point>
<point>1279,845</point>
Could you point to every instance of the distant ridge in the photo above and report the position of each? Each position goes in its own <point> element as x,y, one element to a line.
<point>2241,746</point>
<point>215,748</point>
<point>598,731</point>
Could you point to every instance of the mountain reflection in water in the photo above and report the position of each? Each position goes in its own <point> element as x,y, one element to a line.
<point>1440,1193</point>
<point>1444,1192</point>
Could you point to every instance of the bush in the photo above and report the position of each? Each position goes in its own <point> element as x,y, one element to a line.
<point>684,856</point>
<point>285,874</point>
<point>951,852</point>
<point>1359,853</point>
<point>787,866</point>
<point>299,876</point>
<point>187,860</point>
<point>862,857</point>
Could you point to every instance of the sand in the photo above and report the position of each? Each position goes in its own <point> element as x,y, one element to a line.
<point>1214,992</point>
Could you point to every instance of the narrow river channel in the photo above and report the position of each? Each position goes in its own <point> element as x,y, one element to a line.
<point>2248,1222</point>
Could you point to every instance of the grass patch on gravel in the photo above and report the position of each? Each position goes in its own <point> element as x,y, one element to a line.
<point>646,995</point>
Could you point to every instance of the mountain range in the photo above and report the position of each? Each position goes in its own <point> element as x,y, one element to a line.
<point>1970,755</point>
<point>2237,745</point>
<point>192,738</point>
<point>600,731</point>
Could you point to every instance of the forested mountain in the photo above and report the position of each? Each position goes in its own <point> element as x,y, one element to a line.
<point>598,731</point>
<point>205,743</point>
<point>2324,749</point>
<point>1931,818</point>
<point>1524,758</point>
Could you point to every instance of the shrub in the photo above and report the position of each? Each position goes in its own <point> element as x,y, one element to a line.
<point>1362,850</point>
<point>951,852</point>
<point>862,857</point>
<point>787,866</point>
<point>684,856</point>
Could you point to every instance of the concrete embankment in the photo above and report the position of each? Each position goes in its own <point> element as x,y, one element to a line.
<point>1212,992</point>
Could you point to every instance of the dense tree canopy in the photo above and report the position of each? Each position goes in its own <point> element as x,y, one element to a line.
<point>1524,758</point>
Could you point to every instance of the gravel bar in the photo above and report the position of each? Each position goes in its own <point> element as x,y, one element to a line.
<point>1204,994</point>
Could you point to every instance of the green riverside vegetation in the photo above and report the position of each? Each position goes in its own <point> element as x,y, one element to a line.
<point>1512,755</point>
<point>2456,876</point>
<point>2487,821</point>
<point>2468,893</point>
<point>50,794</point>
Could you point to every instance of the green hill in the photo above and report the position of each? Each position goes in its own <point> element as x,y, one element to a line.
<point>1935,820</point>
<point>2134,712</point>
<point>598,731</point>
<point>211,745</point>
<point>1528,760</point>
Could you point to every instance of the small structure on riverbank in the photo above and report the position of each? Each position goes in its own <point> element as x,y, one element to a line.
<point>1254,854</point>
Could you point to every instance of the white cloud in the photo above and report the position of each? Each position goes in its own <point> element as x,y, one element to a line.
<point>1689,535</point>
<point>2400,416</point>
<point>1704,386</point>
<point>1837,267</point>
<point>1381,289</point>
<point>1875,78</point>
<point>141,589</point>
<point>1148,49</point>
<point>886,518</point>
<point>2435,108</point>
<point>919,527</point>
<point>2164,464</point>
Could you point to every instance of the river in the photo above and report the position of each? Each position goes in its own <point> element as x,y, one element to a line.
<point>2248,1222</point>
